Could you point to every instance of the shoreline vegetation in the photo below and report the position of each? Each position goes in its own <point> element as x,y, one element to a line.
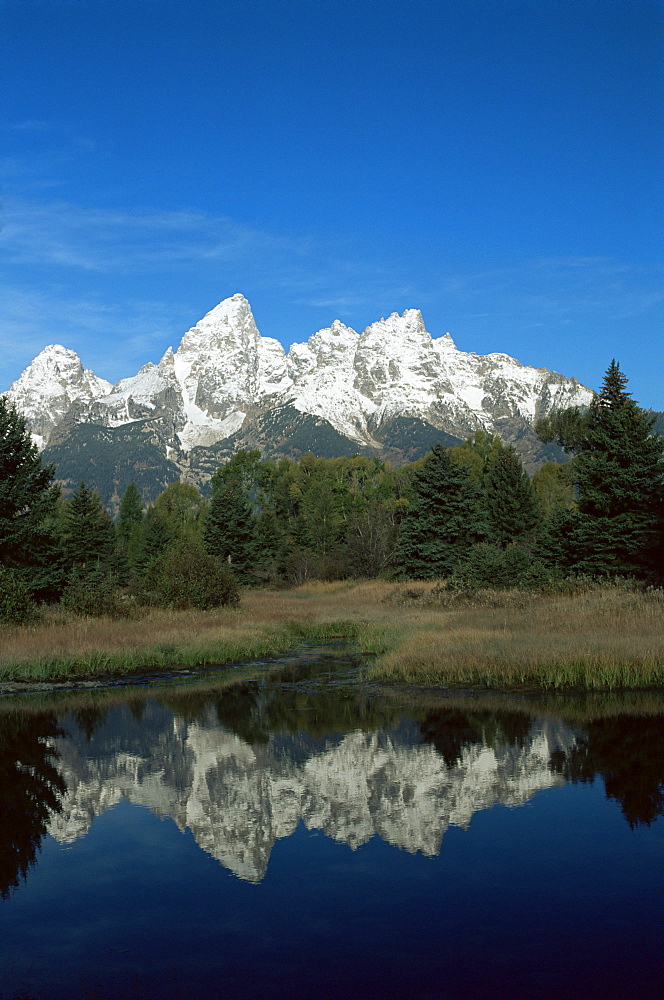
<point>581,637</point>
<point>550,584</point>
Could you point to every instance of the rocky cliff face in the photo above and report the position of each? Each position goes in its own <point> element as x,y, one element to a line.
<point>227,387</point>
<point>238,799</point>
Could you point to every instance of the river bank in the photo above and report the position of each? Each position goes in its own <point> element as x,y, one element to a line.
<point>590,638</point>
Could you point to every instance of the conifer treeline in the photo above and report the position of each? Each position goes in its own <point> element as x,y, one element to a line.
<point>470,514</point>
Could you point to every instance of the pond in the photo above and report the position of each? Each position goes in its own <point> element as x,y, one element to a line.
<point>298,833</point>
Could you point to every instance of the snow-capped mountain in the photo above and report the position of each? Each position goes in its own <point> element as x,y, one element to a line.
<point>391,390</point>
<point>53,389</point>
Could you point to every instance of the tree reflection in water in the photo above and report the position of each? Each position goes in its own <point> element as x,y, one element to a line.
<point>451,730</point>
<point>628,753</point>
<point>31,789</point>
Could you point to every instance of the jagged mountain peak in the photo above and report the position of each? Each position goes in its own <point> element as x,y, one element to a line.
<point>53,386</point>
<point>55,352</point>
<point>228,387</point>
<point>328,344</point>
<point>230,322</point>
<point>55,361</point>
<point>235,305</point>
<point>407,326</point>
<point>445,343</point>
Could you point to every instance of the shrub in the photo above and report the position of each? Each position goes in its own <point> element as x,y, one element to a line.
<point>16,604</point>
<point>186,576</point>
<point>94,594</point>
<point>488,566</point>
<point>301,565</point>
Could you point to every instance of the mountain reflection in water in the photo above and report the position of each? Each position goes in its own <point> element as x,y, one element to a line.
<point>242,767</point>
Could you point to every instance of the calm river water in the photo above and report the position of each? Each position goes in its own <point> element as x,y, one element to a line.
<point>304,835</point>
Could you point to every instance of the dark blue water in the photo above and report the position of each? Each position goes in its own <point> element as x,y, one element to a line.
<point>292,839</point>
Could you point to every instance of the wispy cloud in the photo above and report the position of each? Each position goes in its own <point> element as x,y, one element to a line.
<point>552,290</point>
<point>113,338</point>
<point>106,240</point>
<point>63,264</point>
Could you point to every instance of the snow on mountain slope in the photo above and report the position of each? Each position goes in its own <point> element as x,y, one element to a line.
<point>395,368</point>
<point>221,367</point>
<point>324,381</point>
<point>51,387</point>
<point>224,370</point>
<point>154,389</point>
<point>223,361</point>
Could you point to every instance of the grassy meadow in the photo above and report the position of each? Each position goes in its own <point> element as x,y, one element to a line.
<point>591,637</point>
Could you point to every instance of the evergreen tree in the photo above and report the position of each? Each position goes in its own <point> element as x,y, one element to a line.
<point>443,521</point>
<point>16,604</point>
<point>230,530</point>
<point>567,428</point>
<point>89,537</point>
<point>511,505</point>
<point>155,537</point>
<point>129,529</point>
<point>131,508</point>
<point>556,544</point>
<point>246,468</point>
<point>28,498</point>
<point>269,547</point>
<point>619,478</point>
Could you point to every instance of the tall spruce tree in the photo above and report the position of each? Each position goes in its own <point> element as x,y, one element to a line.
<point>269,546</point>
<point>89,537</point>
<point>230,526</point>
<point>155,537</point>
<point>131,509</point>
<point>443,521</point>
<point>28,499</point>
<point>619,479</point>
<point>511,506</point>
<point>129,530</point>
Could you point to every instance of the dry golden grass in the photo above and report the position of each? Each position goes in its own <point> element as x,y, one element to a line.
<point>60,636</point>
<point>598,637</point>
<point>595,638</point>
<point>604,637</point>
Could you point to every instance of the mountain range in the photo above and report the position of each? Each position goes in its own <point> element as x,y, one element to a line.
<point>391,391</point>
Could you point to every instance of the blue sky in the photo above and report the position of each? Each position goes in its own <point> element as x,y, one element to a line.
<point>494,163</point>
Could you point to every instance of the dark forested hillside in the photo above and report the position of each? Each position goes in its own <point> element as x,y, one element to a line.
<point>109,458</point>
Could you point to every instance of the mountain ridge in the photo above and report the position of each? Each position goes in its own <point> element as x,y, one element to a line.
<point>227,386</point>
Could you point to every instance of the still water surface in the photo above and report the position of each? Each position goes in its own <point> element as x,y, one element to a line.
<point>303,835</point>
